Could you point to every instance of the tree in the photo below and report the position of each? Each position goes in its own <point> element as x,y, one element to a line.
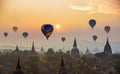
<point>50,51</point>
<point>117,66</point>
<point>34,65</point>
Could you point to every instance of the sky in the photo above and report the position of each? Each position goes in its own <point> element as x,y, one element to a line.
<point>72,16</point>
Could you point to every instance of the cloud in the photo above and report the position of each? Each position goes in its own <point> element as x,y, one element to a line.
<point>92,10</point>
<point>82,8</point>
<point>105,7</point>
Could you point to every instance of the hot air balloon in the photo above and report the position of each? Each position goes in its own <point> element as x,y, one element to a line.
<point>92,23</point>
<point>107,29</point>
<point>63,39</point>
<point>5,34</point>
<point>47,30</point>
<point>25,34</point>
<point>95,37</point>
<point>15,28</point>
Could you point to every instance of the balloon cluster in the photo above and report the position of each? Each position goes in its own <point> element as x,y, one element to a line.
<point>15,28</point>
<point>92,23</point>
<point>47,30</point>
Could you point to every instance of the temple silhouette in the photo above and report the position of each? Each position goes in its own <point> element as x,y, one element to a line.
<point>107,48</point>
<point>18,68</point>
<point>72,59</point>
<point>75,51</point>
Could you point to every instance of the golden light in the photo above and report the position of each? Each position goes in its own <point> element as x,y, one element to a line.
<point>57,26</point>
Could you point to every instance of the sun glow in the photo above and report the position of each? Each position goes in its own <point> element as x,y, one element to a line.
<point>57,26</point>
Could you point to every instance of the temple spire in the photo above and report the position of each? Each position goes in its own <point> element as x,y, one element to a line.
<point>87,51</point>
<point>42,49</point>
<point>33,47</point>
<point>18,67</point>
<point>107,43</point>
<point>75,43</point>
<point>17,49</point>
<point>107,48</point>
<point>107,40</point>
<point>75,50</point>
<point>62,62</point>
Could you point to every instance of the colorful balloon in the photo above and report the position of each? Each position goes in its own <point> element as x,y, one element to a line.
<point>5,34</point>
<point>47,30</point>
<point>92,23</point>
<point>107,29</point>
<point>63,39</point>
<point>95,37</point>
<point>25,34</point>
<point>15,28</point>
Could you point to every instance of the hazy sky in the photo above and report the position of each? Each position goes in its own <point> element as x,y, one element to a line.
<point>71,15</point>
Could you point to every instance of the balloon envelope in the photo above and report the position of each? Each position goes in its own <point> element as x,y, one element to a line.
<point>15,28</point>
<point>63,39</point>
<point>5,34</point>
<point>25,34</point>
<point>107,29</point>
<point>94,37</point>
<point>47,30</point>
<point>92,23</point>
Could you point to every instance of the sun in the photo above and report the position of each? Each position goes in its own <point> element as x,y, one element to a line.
<point>57,26</point>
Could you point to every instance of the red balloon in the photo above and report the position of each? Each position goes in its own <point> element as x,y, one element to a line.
<point>15,28</point>
<point>107,29</point>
